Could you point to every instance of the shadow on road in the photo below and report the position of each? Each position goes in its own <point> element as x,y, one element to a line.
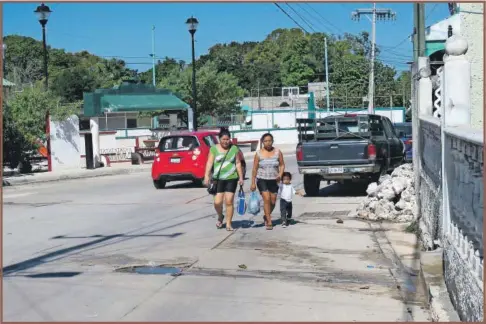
<point>109,239</point>
<point>183,185</point>
<point>116,235</point>
<point>343,190</point>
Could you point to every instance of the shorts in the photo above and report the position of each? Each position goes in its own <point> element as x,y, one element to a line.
<point>227,186</point>
<point>267,186</point>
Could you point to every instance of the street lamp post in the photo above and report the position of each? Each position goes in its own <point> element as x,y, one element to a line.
<point>43,13</point>
<point>192,26</point>
<point>4,48</point>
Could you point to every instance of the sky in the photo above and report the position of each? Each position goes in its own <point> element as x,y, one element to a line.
<point>124,30</point>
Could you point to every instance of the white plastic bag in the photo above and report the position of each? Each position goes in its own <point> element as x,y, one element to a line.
<point>254,203</point>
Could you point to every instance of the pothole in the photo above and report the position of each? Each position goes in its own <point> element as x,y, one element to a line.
<point>162,269</point>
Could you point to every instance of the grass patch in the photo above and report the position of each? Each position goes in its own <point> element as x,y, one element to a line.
<point>413,228</point>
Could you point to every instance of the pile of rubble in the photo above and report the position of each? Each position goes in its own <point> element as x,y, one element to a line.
<point>392,198</point>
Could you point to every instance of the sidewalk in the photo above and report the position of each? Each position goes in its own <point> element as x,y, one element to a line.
<point>115,169</point>
<point>40,177</point>
<point>315,270</point>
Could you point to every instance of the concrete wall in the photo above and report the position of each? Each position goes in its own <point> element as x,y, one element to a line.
<point>460,230</point>
<point>430,192</point>
<point>65,144</point>
<point>286,119</point>
<point>280,136</point>
<point>463,242</point>
<point>449,160</point>
<point>271,102</point>
<point>472,29</point>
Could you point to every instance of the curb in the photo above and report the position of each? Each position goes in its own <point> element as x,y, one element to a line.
<point>89,174</point>
<point>440,305</point>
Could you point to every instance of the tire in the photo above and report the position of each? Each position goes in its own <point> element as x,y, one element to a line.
<point>198,182</point>
<point>383,171</point>
<point>311,185</point>
<point>159,184</point>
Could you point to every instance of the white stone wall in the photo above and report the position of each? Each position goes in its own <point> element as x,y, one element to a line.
<point>265,119</point>
<point>450,165</point>
<point>284,136</point>
<point>65,144</point>
<point>463,239</point>
<point>473,31</point>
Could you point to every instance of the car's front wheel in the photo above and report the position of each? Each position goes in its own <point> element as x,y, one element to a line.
<point>159,184</point>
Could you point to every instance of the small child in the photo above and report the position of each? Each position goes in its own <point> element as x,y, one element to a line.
<point>286,192</point>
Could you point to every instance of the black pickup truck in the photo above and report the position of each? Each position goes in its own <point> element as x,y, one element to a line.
<point>346,148</point>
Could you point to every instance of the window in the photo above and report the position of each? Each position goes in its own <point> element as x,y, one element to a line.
<point>209,140</point>
<point>84,125</point>
<point>376,127</point>
<point>390,132</point>
<point>131,123</point>
<point>178,143</point>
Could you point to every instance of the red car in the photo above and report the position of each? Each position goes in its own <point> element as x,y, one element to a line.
<point>183,156</point>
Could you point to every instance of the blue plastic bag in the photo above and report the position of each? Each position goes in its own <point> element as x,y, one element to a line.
<point>241,207</point>
<point>254,203</point>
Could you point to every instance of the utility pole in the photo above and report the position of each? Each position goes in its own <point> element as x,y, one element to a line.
<point>421,29</point>
<point>327,74</point>
<point>155,119</point>
<point>4,48</point>
<point>376,14</point>
<point>153,55</point>
<point>258,93</point>
<point>418,30</point>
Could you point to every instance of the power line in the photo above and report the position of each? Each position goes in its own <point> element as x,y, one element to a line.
<point>304,20</point>
<point>431,11</point>
<point>325,19</point>
<point>312,16</point>
<point>285,12</point>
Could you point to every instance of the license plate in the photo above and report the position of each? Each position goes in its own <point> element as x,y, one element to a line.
<point>335,170</point>
<point>175,160</point>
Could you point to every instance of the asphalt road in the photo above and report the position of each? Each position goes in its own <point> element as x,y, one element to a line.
<point>66,246</point>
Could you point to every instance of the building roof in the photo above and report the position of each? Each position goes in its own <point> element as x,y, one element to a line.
<point>130,98</point>
<point>438,31</point>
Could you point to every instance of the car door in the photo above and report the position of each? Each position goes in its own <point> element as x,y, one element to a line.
<point>379,138</point>
<point>396,145</point>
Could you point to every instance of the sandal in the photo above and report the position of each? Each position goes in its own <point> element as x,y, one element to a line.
<point>230,229</point>
<point>268,225</point>
<point>219,223</point>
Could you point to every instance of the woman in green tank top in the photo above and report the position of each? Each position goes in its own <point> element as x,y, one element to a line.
<point>224,159</point>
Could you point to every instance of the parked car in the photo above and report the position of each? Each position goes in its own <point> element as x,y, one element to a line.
<point>346,148</point>
<point>182,157</point>
<point>404,131</point>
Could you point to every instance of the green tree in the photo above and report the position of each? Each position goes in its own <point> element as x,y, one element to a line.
<point>218,93</point>
<point>71,83</point>
<point>25,121</point>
